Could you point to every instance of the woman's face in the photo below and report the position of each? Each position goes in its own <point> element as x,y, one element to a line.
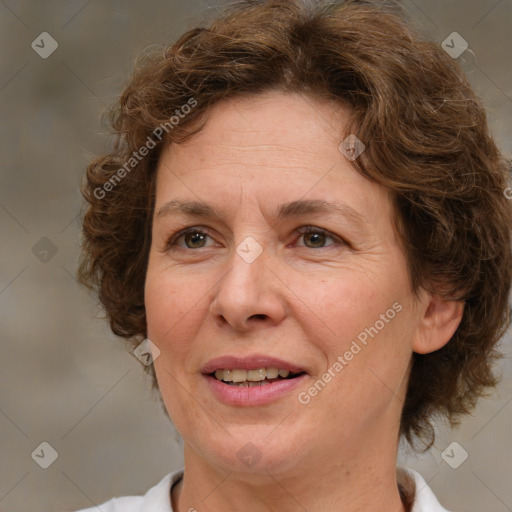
<point>248,287</point>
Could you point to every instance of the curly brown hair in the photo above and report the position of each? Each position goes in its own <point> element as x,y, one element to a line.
<point>427,141</point>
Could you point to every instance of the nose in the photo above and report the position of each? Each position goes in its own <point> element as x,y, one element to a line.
<point>249,294</point>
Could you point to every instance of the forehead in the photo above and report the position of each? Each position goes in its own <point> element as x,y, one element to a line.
<point>268,125</point>
<point>272,148</point>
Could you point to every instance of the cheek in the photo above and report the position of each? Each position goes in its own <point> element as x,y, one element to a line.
<point>370,328</point>
<point>172,309</point>
<point>347,307</point>
<point>385,353</point>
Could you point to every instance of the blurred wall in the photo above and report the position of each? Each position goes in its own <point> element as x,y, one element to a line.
<point>64,379</point>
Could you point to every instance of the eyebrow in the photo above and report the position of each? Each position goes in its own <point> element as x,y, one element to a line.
<point>286,210</point>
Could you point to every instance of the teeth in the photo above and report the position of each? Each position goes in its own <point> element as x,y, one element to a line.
<point>256,375</point>
<point>247,384</point>
<point>272,373</point>
<point>238,375</point>
<point>253,377</point>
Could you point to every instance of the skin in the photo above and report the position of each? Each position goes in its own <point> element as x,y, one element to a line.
<point>304,300</point>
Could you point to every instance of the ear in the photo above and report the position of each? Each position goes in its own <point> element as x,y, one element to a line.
<point>439,319</point>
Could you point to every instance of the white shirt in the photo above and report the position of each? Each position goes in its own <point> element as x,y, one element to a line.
<point>157,499</point>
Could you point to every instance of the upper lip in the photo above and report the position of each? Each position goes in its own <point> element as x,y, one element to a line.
<point>252,362</point>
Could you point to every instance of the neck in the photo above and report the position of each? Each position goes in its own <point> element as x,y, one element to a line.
<point>355,485</point>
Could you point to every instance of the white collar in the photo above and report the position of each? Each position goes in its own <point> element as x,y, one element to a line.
<point>424,498</point>
<point>158,498</point>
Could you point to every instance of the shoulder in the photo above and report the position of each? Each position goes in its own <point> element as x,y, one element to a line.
<point>421,495</point>
<point>157,499</point>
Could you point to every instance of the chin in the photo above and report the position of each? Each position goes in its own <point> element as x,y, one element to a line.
<point>252,452</point>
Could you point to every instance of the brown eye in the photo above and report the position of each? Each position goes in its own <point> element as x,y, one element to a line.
<point>190,238</point>
<point>315,238</point>
<point>194,240</point>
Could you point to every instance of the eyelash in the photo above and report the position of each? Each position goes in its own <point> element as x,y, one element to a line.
<point>170,244</point>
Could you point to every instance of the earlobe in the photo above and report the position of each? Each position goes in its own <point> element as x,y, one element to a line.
<point>439,320</point>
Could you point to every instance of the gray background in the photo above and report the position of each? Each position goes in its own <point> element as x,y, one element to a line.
<point>64,378</point>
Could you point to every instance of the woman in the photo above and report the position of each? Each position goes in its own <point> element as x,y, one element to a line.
<point>304,219</point>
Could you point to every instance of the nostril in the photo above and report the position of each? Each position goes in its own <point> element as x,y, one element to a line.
<point>259,317</point>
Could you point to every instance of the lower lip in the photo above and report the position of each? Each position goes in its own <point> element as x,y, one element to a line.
<point>254,395</point>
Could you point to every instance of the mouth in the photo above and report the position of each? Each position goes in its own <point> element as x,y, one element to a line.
<point>254,380</point>
<point>251,378</point>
